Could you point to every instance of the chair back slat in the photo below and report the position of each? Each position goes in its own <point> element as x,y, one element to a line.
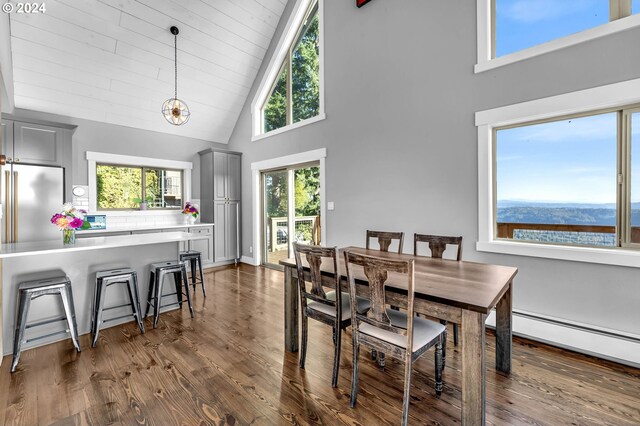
<point>385,239</point>
<point>314,256</point>
<point>377,270</point>
<point>437,244</point>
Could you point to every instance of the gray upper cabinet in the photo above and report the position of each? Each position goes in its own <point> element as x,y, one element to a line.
<point>31,143</point>
<point>226,176</point>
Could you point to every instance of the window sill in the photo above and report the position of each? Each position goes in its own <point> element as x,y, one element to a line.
<point>284,129</point>
<point>591,34</point>
<point>605,256</point>
<point>149,212</point>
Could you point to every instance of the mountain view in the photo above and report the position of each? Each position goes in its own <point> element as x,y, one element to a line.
<point>561,213</point>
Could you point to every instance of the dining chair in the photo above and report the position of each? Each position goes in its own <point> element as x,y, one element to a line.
<point>400,334</point>
<point>385,239</point>
<point>438,244</point>
<point>332,307</point>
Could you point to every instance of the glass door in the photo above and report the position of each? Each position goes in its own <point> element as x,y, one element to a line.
<point>291,210</point>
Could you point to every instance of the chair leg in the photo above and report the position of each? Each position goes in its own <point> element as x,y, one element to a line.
<point>70,311</point>
<point>455,334</point>
<point>150,293</point>
<point>186,289</point>
<point>444,340</point>
<point>374,354</point>
<point>192,263</point>
<point>21,322</point>
<point>132,287</point>
<point>439,362</point>
<point>101,290</point>
<point>204,291</point>
<point>407,389</point>
<point>381,360</point>
<point>354,377</point>
<point>136,293</point>
<point>157,289</point>
<point>177,281</point>
<point>303,340</point>
<point>336,356</point>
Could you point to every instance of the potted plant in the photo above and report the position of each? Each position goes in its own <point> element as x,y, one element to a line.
<point>191,212</point>
<point>68,221</point>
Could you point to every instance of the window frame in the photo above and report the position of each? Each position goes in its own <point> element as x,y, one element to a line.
<point>616,97</point>
<point>143,186</point>
<point>95,158</point>
<point>281,57</point>
<point>620,19</point>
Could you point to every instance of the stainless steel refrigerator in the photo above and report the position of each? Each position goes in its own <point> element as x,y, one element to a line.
<point>30,196</point>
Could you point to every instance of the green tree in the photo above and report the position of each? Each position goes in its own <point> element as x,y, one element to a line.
<point>118,187</point>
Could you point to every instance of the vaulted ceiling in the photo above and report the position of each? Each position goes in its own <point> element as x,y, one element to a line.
<point>112,60</point>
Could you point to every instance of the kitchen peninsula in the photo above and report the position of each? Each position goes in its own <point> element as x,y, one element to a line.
<point>30,260</point>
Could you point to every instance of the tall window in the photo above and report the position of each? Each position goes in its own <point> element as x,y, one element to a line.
<point>519,24</point>
<point>295,93</point>
<point>126,187</point>
<point>562,182</point>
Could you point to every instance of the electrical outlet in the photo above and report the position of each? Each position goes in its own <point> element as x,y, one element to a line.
<point>250,249</point>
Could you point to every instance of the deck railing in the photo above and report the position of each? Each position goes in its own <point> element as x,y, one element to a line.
<point>506,230</point>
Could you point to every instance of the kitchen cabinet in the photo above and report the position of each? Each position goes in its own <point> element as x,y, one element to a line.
<point>220,194</point>
<point>204,246</point>
<point>31,143</point>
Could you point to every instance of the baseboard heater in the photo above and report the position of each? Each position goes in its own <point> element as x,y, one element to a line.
<point>612,345</point>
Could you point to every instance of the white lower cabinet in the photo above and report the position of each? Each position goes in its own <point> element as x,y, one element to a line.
<point>204,246</point>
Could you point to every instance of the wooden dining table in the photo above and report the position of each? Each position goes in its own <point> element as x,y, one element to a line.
<point>459,292</point>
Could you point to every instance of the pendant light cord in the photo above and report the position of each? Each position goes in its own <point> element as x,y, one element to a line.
<point>175,50</point>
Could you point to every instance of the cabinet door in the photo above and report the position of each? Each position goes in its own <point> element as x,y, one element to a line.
<point>204,246</point>
<point>220,176</point>
<point>6,147</point>
<point>233,230</point>
<point>233,177</point>
<point>220,245</point>
<point>37,144</point>
<point>206,187</point>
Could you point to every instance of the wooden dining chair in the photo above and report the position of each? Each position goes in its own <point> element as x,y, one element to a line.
<point>385,239</point>
<point>332,307</point>
<point>438,244</point>
<point>400,334</point>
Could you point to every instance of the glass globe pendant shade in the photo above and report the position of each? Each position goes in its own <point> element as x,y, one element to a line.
<point>176,111</point>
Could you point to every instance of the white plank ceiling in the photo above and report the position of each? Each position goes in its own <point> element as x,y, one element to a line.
<point>112,60</point>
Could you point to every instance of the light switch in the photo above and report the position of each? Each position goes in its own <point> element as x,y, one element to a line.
<point>330,205</point>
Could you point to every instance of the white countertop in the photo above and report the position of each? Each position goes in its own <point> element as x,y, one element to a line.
<point>140,228</point>
<point>94,243</point>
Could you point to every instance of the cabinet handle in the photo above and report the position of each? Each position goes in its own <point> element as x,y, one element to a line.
<point>7,188</point>
<point>15,207</point>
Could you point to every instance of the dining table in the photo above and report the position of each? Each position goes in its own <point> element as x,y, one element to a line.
<point>459,292</point>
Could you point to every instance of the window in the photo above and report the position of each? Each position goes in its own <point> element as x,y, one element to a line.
<point>126,187</point>
<point>291,94</point>
<point>556,181</point>
<point>513,30</point>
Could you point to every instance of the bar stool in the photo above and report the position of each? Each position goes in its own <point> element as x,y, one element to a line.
<point>157,273</point>
<point>105,279</point>
<point>29,290</point>
<point>195,259</point>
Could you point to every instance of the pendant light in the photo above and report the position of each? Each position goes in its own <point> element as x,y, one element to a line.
<point>174,110</point>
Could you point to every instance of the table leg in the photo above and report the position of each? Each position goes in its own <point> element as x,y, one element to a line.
<point>503,331</point>
<point>473,371</point>
<point>290,310</point>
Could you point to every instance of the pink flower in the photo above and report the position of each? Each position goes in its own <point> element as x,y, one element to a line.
<point>55,217</point>
<point>76,223</point>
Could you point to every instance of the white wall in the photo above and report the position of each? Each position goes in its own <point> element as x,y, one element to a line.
<point>402,146</point>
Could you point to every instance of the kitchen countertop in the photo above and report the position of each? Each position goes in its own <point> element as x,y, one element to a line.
<point>94,243</point>
<point>140,228</point>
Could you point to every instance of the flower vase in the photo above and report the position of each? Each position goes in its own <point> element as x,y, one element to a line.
<point>192,220</point>
<point>68,237</point>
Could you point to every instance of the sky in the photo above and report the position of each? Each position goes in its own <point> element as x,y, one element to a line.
<point>525,23</point>
<point>568,161</point>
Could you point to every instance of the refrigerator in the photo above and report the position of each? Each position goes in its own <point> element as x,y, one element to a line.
<point>31,194</point>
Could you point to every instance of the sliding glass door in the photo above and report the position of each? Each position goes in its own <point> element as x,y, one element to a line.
<point>291,210</point>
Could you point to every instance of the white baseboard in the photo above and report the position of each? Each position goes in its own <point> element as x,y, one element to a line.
<point>616,346</point>
<point>249,260</point>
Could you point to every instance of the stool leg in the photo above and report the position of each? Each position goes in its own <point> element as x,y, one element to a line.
<point>133,302</point>
<point>69,309</point>
<point>158,290</point>
<point>21,322</point>
<point>150,293</point>
<point>101,289</point>
<point>186,288</point>
<point>177,281</point>
<point>192,263</point>
<point>204,292</point>
<point>136,294</point>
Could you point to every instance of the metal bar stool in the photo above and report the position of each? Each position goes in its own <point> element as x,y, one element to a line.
<point>195,259</point>
<point>29,290</point>
<point>157,273</point>
<point>105,279</point>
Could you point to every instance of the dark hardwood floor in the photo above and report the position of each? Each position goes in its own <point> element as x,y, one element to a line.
<point>228,366</point>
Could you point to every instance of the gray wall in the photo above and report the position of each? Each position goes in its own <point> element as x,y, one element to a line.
<point>402,146</point>
<point>113,139</point>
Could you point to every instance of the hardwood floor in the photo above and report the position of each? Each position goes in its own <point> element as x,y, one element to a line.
<point>228,366</point>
